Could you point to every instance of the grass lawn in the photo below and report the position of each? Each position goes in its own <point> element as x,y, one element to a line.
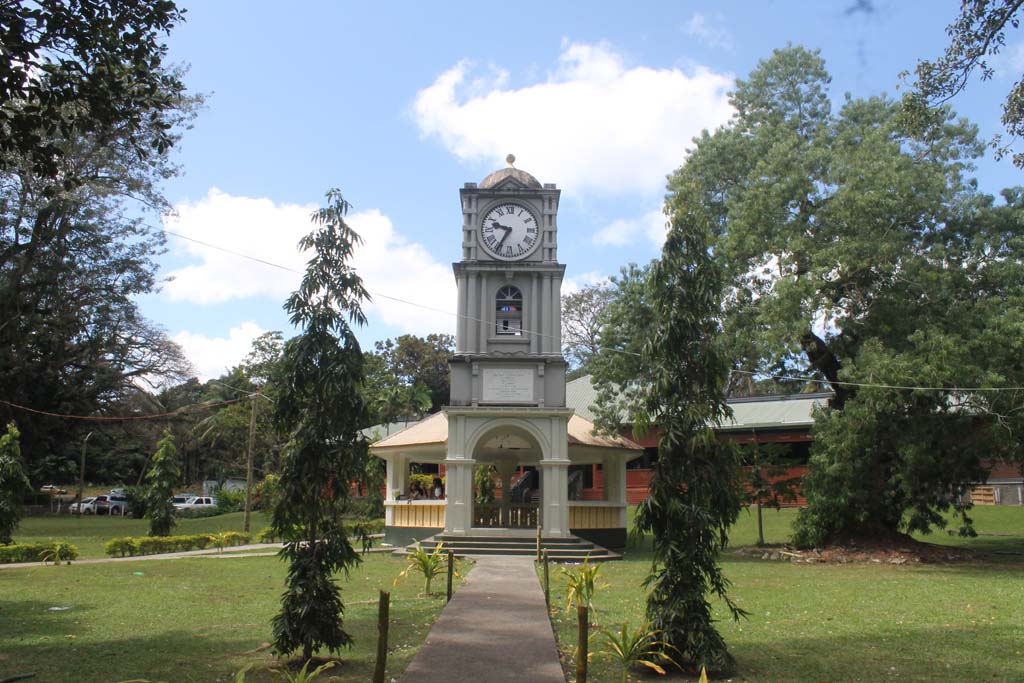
<point>863,622</point>
<point>186,620</point>
<point>90,532</point>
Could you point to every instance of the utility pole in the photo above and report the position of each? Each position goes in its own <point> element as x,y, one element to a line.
<point>248,463</point>
<point>81,475</point>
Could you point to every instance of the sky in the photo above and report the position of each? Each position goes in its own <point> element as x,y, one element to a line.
<point>399,104</point>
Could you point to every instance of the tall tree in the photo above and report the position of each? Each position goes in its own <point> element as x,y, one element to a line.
<point>858,254</point>
<point>75,252</point>
<point>322,406</point>
<point>163,475</point>
<point>695,486</point>
<point>621,376</point>
<point>75,68</point>
<point>976,39</point>
<point>408,376</point>
<point>13,484</point>
<point>582,313</point>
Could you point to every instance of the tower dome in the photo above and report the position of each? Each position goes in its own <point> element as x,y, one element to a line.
<point>510,171</point>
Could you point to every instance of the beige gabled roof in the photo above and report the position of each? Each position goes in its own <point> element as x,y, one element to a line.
<point>581,433</point>
<point>429,430</point>
<point>433,430</point>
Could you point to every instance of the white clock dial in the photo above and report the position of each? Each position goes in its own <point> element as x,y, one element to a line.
<point>509,232</point>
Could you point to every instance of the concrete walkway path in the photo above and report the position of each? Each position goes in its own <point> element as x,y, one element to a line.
<point>495,630</point>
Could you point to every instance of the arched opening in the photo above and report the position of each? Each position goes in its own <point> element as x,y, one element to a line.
<point>507,479</point>
<point>509,311</point>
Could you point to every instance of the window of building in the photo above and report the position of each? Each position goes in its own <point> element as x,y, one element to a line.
<point>509,311</point>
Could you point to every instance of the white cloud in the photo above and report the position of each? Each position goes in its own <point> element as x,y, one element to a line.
<point>571,285</point>
<point>213,356</point>
<point>1009,63</point>
<point>712,34</point>
<point>652,226</point>
<point>594,123</point>
<point>389,264</point>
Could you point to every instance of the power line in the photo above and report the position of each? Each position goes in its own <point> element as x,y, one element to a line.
<point>121,418</point>
<point>866,385</point>
<point>869,385</point>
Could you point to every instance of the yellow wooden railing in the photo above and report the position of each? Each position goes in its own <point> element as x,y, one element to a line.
<point>428,514</point>
<point>594,517</point>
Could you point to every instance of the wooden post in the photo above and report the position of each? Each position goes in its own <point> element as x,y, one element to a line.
<point>582,646</point>
<point>81,475</point>
<point>547,582</point>
<point>248,464</point>
<point>451,573</point>
<point>382,636</point>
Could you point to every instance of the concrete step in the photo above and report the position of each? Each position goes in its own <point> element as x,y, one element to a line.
<point>570,549</point>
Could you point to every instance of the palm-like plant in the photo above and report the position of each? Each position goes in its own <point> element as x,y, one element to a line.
<point>303,675</point>
<point>640,647</point>
<point>580,585</point>
<point>430,564</point>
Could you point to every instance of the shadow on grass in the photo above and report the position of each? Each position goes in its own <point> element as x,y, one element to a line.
<point>28,619</point>
<point>983,652</point>
<point>169,656</point>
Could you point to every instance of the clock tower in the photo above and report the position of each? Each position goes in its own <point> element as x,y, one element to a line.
<point>507,403</point>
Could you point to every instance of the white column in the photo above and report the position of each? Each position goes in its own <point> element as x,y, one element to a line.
<point>458,514</point>
<point>396,469</point>
<point>460,324</point>
<point>472,308</point>
<point>458,518</point>
<point>555,497</point>
<point>486,303</point>
<point>556,314</point>
<point>534,304</point>
<point>545,341</point>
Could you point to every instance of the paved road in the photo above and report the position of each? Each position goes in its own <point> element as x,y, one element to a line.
<point>495,630</point>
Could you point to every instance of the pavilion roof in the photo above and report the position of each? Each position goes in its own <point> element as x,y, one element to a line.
<point>433,430</point>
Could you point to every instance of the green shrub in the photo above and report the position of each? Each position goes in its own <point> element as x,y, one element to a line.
<point>267,535</point>
<point>35,552</point>
<point>199,513</point>
<point>121,547</point>
<point>155,545</point>
<point>230,501</point>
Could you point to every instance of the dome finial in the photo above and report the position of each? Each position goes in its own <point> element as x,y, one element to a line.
<point>511,160</point>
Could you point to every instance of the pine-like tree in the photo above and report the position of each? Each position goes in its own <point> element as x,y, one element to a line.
<point>695,486</point>
<point>321,405</point>
<point>163,475</point>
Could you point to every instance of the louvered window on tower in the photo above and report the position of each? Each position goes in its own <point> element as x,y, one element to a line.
<point>509,313</point>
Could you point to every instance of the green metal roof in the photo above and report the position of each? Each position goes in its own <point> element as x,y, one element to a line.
<point>760,412</point>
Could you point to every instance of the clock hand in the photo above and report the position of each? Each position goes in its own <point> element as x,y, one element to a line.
<point>508,231</point>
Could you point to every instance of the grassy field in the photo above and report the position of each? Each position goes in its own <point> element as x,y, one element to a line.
<point>90,532</point>
<point>185,620</point>
<point>865,622</point>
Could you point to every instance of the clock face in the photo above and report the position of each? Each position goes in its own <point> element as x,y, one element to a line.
<point>509,232</point>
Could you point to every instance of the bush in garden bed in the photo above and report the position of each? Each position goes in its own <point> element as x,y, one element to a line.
<point>154,545</point>
<point>35,552</point>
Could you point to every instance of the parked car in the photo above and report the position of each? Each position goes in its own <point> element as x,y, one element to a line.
<point>197,503</point>
<point>179,499</point>
<point>109,503</point>
<point>52,490</point>
<point>85,505</point>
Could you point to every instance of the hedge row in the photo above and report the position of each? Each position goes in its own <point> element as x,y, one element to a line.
<point>154,545</point>
<point>355,530</point>
<point>37,552</point>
